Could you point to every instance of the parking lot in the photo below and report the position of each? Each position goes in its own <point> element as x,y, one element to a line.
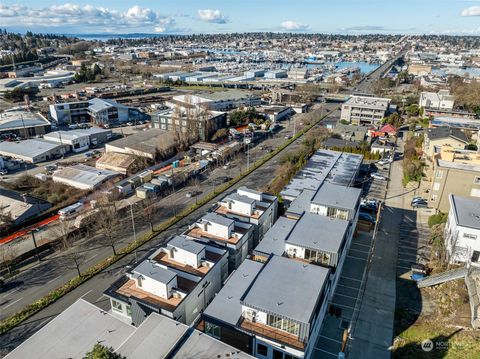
<point>345,301</point>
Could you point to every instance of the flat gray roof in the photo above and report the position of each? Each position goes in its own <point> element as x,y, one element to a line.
<point>202,346</point>
<point>466,210</point>
<point>274,240</point>
<point>226,95</point>
<point>28,148</point>
<point>186,244</point>
<point>337,196</point>
<point>226,304</point>
<point>152,270</point>
<point>301,203</point>
<point>288,288</point>
<point>239,198</point>
<point>73,333</point>
<point>306,233</point>
<point>155,338</point>
<point>325,165</point>
<point>216,218</point>
<point>18,119</point>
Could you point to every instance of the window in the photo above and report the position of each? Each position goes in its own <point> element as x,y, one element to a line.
<point>436,186</point>
<point>469,236</point>
<point>262,349</point>
<point>438,174</point>
<point>476,180</point>
<point>289,356</point>
<point>277,354</point>
<point>117,306</point>
<point>283,324</point>
<point>139,282</point>
<point>212,330</point>
<point>129,310</point>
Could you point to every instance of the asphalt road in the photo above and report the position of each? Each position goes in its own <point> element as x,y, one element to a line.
<point>43,279</point>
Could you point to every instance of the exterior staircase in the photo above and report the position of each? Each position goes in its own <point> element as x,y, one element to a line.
<point>443,277</point>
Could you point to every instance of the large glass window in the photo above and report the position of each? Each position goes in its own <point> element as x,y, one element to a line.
<point>212,330</point>
<point>283,324</point>
<point>117,306</point>
<point>262,349</point>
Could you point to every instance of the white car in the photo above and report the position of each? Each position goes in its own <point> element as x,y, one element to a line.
<point>383,162</point>
<point>379,177</point>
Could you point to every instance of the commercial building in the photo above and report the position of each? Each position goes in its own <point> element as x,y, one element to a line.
<point>437,101</point>
<point>158,337</point>
<point>217,101</point>
<point>83,177</point>
<point>363,110</point>
<point>177,280</point>
<point>20,207</point>
<point>298,73</point>
<point>443,136</point>
<point>100,111</point>
<point>247,205</point>
<point>32,150</point>
<point>462,231</point>
<point>235,236</point>
<point>118,162</point>
<point>324,166</point>
<point>275,113</point>
<point>271,310</point>
<point>79,140</point>
<point>52,78</point>
<point>195,122</point>
<point>153,144</point>
<point>25,124</point>
<point>276,74</point>
<point>454,171</point>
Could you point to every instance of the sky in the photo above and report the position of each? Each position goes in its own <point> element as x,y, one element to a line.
<point>215,16</point>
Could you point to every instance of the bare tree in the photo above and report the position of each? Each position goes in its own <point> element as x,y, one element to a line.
<point>68,237</point>
<point>148,211</point>
<point>108,224</point>
<point>7,254</point>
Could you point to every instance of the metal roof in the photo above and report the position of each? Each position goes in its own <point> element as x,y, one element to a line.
<point>28,148</point>
<point>306,233</point>
<point>215,218</point>
<point>239,198</point>
<point>152,270</point>
<point>73,333</point>
<point>288,288</point>
<point>19,119</point>
<point>83,175</point>
<point>226,304</point>
<point>466,210</point>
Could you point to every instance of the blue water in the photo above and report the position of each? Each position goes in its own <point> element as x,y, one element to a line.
<point>365,67</point>
<point>471,71</point>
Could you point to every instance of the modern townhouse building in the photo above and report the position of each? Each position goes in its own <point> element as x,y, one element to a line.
<point>462,231</point>
<point>178,280</point>
<point>454,171</point>
<point>234,236</point>
<point>250,206</point>
<point>443,136</point>
<point>364,110</point>
<point>271,310</point>
<point>441,100</point>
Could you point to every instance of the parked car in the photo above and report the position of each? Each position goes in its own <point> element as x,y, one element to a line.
<point>192,194</point>
<point>368,209</point>
<point>383,162</point>
<point>419,272</point>
<point>366,217</point>
<point>287,137</point>
<point>226,166</point>
<point>3,172</point>
<point>420,204</point>
<point>379,177</point>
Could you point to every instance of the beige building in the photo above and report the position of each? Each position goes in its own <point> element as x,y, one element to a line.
<point>365,110</point>
<point>454,172</point>
<point>443,136</point>
<point>419,69</point>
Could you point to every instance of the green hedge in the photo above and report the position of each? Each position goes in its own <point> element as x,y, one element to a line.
<point>35,307</point>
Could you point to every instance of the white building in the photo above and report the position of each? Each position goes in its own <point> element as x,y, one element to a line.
<point>462,231</point>
<point>364,110</point>
<point>178,281</point>
<point>83,177</point>
<point>437,101</point>
<point>246,205</point>
<point>216,101</point>
<point>75,142</point>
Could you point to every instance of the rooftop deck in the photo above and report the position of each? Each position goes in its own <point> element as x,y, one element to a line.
<point>224,210</point>
<point>199,233</point>
<point>272,333</point>
<point>163,258</point>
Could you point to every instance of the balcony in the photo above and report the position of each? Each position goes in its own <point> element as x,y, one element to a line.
<point>274,334</point>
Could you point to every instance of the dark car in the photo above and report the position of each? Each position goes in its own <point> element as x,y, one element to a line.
<point>366,217</point>
<point>368,208</point>
<point>420,204</point>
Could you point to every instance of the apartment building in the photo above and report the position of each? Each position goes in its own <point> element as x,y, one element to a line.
<point>202,123</point>
<point>217,101</point>
<point>100,111</point>
<point>234,236</point>
<point>157,337</point>
<point>454,171</point>
<point>441,100</point>
<point>444,136</point>
<point>462,231</point>
<point>363,110</point>
<point>271,310</point>
<point>178,280</point>
<point>250,206</point>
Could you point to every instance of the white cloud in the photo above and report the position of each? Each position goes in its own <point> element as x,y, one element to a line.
<point>471,11</point>
<point>214,16</point>
<point>86,17</point>
<point>290,25</point>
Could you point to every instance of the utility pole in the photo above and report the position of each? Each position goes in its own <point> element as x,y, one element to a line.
<point>134,232</point>
<point>35,244</point>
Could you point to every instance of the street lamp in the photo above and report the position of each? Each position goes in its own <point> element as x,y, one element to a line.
<point>35,244</point>
<point>134,231</point>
